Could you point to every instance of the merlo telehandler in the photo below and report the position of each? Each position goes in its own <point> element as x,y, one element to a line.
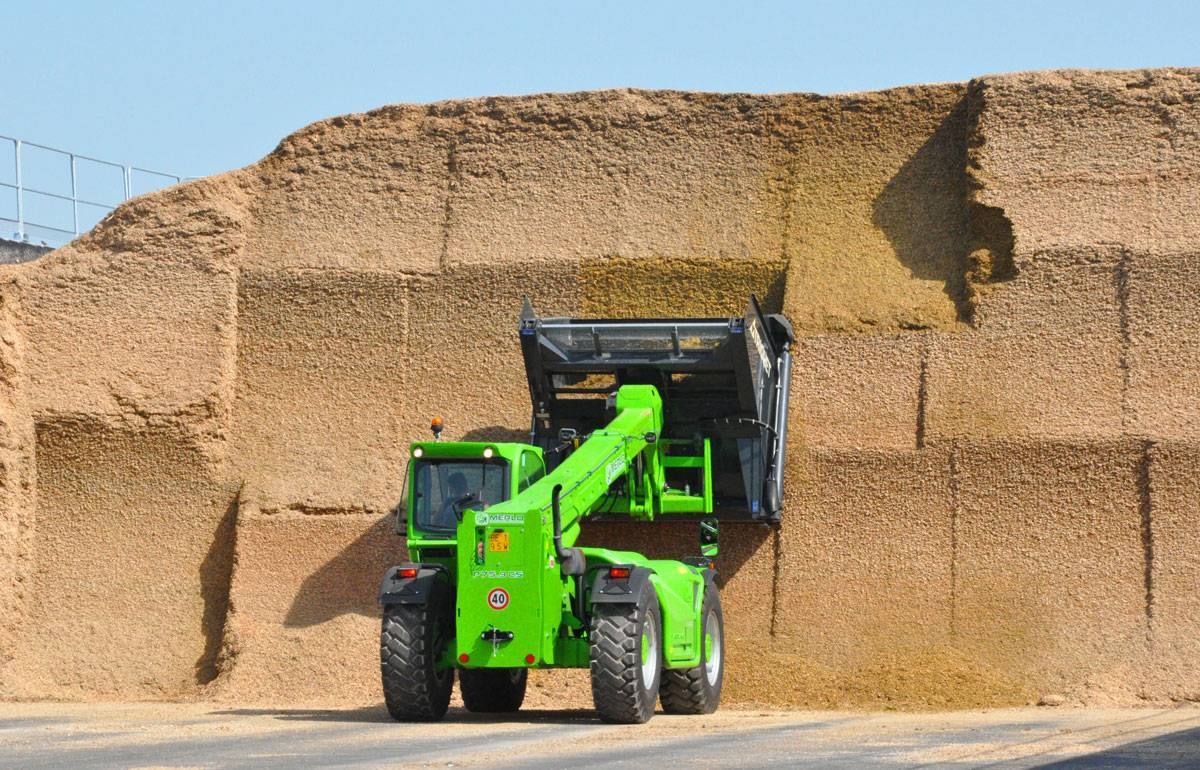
<point>645,419</point>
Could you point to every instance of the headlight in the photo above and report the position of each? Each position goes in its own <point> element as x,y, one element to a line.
<point>418,452</point>
<point>488,452</point>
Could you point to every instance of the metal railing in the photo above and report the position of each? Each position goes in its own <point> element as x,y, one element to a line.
<point>26,222</point>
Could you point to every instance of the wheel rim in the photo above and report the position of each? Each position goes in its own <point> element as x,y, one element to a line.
<point>712,649</point>
<point>649,654</point>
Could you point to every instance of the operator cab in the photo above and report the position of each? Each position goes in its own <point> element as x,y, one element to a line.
<point>445,487</point>
<point>447,478</point>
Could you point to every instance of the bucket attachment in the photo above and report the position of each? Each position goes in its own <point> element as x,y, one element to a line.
<point>724,380</point>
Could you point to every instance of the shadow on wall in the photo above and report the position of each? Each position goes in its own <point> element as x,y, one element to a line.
<point>349,582</point>
<point>216,573</point>
<point>497,433</point>
<point>924,213</point>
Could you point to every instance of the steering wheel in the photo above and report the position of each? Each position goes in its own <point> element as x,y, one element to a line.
<point>463,503</point>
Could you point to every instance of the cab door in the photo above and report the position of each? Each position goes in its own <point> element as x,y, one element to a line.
<point>530,469</point>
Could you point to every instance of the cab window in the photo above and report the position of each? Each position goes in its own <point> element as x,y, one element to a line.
<point>530,472</point>
<point>439,484</point>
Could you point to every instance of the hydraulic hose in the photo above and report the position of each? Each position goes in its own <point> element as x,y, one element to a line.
<point>557,514</point>
<point>775,483</point>
<point>563,555</point>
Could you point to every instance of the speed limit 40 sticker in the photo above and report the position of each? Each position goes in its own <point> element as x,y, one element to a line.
<point>497,598</point>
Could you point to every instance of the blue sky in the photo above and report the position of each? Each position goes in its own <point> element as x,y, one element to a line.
<point>198,88</point>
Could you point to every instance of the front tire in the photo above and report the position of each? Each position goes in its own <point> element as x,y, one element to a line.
<point>493,690</point>
<point>411,642</point>
<point>626,659</point>
<point>697,690</point>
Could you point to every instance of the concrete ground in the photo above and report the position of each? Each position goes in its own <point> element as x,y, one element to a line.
<point>53,735</point>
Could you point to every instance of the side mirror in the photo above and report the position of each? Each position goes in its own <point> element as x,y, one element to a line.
<point>709,534</point>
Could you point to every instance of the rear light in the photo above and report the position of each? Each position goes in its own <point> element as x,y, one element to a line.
<point>619,573</point>
<point>405,573</point>
<point>464,658</point>
<point>530,659</point>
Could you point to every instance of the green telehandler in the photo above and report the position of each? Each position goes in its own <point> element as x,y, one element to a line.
<point>644,419</point>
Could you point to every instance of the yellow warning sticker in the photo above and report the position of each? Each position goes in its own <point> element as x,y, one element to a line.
<point>498,541</point>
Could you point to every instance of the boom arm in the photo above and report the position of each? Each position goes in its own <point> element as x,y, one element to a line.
<point>628,446</point>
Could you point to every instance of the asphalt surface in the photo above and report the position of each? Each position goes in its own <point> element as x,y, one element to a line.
<point>49,735</point>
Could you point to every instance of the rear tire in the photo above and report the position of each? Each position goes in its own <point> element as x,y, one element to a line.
<point>411,642</point>
<point>493,690</point>
<point>626,659</point>
<point>697,690</point>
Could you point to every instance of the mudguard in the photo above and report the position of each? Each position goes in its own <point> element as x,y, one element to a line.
<point>706,567</point>
<point>431,580</point>
<point>606,590</point>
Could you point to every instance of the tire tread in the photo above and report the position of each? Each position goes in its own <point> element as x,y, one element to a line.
<point>615,653</point>
<point>492,690</point>
<point>411,691</point>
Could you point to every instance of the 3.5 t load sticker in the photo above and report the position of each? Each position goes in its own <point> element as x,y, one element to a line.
<point>498,598</point>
